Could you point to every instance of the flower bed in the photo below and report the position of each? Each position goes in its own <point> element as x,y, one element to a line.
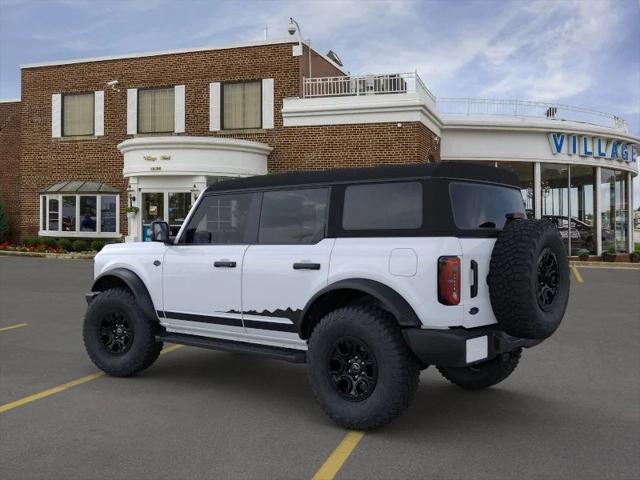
<point>47,245</point>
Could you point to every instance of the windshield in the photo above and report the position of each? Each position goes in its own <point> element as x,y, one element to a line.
<point>478,206</point>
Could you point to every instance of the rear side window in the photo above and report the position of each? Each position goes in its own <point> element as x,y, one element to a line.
<point>224,220</point>
<point>383,206</point>
<point>476,206</point>
<point>293,216</point>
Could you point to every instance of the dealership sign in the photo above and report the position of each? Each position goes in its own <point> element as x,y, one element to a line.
<point>597,147</point>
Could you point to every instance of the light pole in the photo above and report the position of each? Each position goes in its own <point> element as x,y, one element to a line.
<point>293,28</point>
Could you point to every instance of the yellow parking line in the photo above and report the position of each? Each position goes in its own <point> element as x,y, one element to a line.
<point>334,463</point>
<point>65,386</point>
<point>576,274</point>
<point>11,327</point>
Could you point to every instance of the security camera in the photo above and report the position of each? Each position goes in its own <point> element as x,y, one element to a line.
<point>112,83</point>
<point>292,27</point>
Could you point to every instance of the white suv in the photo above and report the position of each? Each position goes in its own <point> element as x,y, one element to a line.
<point>367,275</point>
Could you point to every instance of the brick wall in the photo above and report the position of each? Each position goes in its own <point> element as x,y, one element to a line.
<point>10,162</point>
<point>46,160</point>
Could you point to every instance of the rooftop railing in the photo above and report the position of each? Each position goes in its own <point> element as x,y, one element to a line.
<point>356,85</point>
<point>525,109</point>
<point>399,83</point>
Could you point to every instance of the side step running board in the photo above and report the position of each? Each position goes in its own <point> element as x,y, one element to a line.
<point>278,353</point>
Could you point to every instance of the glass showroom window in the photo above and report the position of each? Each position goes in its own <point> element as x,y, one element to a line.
<point>79,215</point>
<point>156,110</point>
<point>555,197</point>
<point>614,210</point>
<point>581,202</point>
<point>77,114</point>
<point>242,105</point>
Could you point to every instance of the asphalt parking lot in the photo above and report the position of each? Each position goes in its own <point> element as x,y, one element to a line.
<point>571,409</point>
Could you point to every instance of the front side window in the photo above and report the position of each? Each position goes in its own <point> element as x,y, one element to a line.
<point>383,206</point>
<point>293,216</point>
<point>223,220</point>
<point>242,105</point>
<point>108,215</point>
<point>77,114</point>
<point>54,213</point>
<point>69,213</point>
<point>88,213</point>
<point>477,206</point>
<point>156,110</point>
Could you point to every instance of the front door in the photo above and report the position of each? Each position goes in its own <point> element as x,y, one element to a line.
<point>202,272</point>
<point>287,266</point>
<point>170,207</point>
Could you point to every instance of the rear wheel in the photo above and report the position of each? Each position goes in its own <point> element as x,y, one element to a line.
<point>118,337</point>
<point>360,369</point>
<point>485,374</point>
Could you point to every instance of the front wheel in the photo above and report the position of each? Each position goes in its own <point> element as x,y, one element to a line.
<point>485,374</point>
<point>118,337</point>
<point>360,368</point>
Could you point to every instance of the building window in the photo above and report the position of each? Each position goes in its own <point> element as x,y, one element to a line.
<point>78,215</point>
<point>242,105</point>
<point>555,197</point>
<point>78,114</point>
<point>614,210</point>
<point>156,110</point>
<point>581,203</point>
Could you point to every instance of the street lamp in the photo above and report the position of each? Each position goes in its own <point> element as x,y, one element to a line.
<point>293,28</point>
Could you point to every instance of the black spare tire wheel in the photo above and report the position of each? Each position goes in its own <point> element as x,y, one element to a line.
<point>529,279</point>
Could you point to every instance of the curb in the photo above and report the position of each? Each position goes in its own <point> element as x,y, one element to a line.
<point>607,265</point>
<point>61,256</point>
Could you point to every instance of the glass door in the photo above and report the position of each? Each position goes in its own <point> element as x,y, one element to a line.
<point>170,207</point>
<point>152,210</point>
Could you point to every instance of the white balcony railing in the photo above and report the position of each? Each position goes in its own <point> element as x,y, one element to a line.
<point>365,85</point>
<point>525,109</point>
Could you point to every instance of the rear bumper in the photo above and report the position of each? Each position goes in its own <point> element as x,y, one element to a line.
<point>458,347</point>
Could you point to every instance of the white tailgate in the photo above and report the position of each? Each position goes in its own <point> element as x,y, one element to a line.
<point>479,250</point>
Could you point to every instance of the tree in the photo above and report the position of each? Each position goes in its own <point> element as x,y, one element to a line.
<point>4,223</point>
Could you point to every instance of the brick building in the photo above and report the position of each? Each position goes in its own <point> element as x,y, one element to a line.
<point>91,137</point>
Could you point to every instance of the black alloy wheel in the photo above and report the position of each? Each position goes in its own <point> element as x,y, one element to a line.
<point>547,278</point>
<point>116,332</point>
<point>353,369</point>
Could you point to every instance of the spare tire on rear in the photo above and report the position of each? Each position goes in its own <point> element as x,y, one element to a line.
<point>529,279</point>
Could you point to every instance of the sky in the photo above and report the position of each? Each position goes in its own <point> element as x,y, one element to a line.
<point>576,52</point>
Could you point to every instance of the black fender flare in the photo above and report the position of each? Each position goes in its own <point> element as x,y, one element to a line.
<point>387,296</point>
<point>134,283</point>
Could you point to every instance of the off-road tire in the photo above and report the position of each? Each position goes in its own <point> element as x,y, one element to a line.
<point>144,349</point>
<point>398,371</point>
<point>485,374</point>
<point>514,278</point>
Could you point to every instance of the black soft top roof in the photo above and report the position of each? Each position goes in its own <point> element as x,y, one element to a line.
<point>453,170</point>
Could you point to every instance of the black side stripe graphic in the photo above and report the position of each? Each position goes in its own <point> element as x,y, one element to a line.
<point>233,322</point>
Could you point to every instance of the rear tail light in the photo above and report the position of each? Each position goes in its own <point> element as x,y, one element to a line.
<point>449,280</point>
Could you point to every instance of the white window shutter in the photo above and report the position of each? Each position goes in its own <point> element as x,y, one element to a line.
<point>132,111</point>
<point>179,99</point>
<point>98,113</point>
<point>56,115</point>
<point>214,106</point>
<point>267,103</point>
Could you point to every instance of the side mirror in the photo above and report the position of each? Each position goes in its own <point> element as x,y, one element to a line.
<point>160,232</point>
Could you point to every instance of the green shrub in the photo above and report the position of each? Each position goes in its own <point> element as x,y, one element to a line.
<point>80,246</point>
<point>65,244</point>
<point>4,223</point>
<point>48,242</point>
<point>583,254</point>
<point>97,245</point>
<point>30,242</point>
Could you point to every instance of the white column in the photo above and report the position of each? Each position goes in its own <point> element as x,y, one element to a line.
<point>630,212</point>
<point>537,189</point>
<point>598,211</point>
<point>134,222</point>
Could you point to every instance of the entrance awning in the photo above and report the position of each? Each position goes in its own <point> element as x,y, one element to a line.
<point>80,186</point>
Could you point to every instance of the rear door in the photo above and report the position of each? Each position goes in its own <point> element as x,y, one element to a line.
<point>202,273</point>
<point>287,266</point>
<point>480,212</point>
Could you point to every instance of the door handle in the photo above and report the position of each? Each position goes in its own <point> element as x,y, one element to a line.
<point>474,271</point>
<point>306,266</point>
<point>224,263</point>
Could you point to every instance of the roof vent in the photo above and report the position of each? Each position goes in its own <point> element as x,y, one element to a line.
<point>333,56</point>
